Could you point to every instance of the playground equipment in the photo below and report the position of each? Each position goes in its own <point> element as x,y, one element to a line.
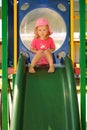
<point>57,11</point>
<point>45,101</point>
<point>28,13</point>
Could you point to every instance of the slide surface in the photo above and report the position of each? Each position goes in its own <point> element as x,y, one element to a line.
<point>44,101</point>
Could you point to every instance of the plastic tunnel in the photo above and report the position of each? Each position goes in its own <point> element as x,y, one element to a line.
<point>44,101</point>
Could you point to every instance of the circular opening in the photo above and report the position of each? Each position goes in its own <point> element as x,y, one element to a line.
<point>56,22</point>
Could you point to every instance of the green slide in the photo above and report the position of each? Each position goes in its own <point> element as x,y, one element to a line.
<point>44,101</point>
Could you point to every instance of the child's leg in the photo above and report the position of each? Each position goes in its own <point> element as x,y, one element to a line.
<point>49,57</point>
<point>36,58</point>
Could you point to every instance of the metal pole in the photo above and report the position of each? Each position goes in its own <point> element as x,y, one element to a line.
<point>15,35</point>
<point>86,1</point>
<point>4,66</point>
<point>83,64</point>
<point>72,28</point>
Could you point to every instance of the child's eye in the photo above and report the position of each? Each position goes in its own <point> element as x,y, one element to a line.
<point>44,30</point>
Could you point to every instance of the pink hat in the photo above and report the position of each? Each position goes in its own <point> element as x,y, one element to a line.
<point>43,21</point>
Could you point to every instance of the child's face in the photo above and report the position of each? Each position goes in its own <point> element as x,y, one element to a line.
<point>42,31</point>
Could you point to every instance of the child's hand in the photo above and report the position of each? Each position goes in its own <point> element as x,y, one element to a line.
<point>50,50</point>
<point>40,51</point>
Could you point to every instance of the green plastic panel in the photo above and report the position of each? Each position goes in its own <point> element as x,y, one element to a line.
<point>83,63</point>
<point>4,95</point>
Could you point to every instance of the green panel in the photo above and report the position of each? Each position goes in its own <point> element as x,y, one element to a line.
<point>19,92</point>
<point>72,95</point>
<point>4,66</point>
<point>48,101</point>
<point>83,63</point>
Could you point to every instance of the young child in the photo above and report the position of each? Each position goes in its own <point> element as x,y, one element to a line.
<point>42,46</point>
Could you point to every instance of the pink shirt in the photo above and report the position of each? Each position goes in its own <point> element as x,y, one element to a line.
<point>39,44</point>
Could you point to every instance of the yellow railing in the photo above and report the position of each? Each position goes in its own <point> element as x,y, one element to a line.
<point>72,29</point>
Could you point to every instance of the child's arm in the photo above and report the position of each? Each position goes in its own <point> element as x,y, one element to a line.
<point>35,51</point>
<point>51,50</point>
